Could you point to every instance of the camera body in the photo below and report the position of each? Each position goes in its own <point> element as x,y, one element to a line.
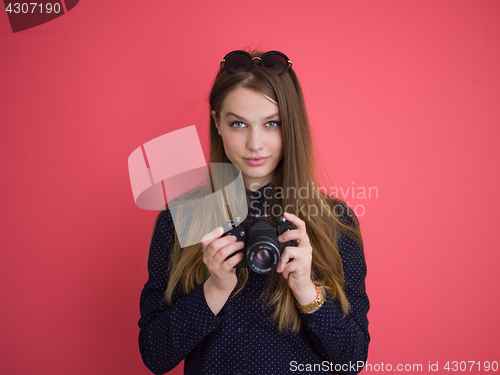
<point>262,251</point>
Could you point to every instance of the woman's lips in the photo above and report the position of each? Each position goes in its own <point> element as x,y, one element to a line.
<point>254,161</point>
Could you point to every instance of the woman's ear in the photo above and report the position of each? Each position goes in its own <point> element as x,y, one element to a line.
<point>214,116</point>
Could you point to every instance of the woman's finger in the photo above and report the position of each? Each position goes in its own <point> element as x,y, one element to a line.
<point>287,256</point>
<point>299,234</point>
<point>216,245</point>
<point>212,236</point>
<point>223,253</point>
<point>299,223</point>
<point>289,235</point>
<point>233,261</point>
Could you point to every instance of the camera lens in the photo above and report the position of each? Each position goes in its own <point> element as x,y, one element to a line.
<point>262,255</point>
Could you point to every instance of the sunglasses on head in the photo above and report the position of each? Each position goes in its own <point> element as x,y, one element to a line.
<point>242,61</point>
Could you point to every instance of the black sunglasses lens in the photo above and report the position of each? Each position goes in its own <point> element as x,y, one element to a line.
<point>237,62</point>
<point>277,63</point>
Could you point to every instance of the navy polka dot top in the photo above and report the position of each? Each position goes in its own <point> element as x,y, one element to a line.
<point>240,339</point>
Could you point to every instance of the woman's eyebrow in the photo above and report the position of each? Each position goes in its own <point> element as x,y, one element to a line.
<point>243,119</point>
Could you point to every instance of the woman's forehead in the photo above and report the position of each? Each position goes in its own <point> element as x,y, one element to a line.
<point>243,101</point>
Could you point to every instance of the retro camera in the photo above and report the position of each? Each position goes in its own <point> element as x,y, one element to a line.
<point>262,250</point>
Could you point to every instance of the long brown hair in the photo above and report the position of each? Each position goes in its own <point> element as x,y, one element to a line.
<point>295,171</point>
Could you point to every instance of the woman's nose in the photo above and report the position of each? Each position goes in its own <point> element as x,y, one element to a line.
<point>255,140</point>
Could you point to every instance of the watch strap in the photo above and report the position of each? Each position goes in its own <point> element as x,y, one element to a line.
<point>317,303</point>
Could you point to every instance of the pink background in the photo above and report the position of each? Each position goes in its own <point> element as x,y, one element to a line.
<point>402,96</point>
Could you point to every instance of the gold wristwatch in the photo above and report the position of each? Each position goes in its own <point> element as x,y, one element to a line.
<point>317,303</point>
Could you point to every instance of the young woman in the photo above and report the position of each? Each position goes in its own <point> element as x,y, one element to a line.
<point>309,314</point>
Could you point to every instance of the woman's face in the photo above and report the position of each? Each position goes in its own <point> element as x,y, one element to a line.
<point>250,127</point>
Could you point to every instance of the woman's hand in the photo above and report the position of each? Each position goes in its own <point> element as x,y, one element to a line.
<point>298,270</point>
<point>223,279</point>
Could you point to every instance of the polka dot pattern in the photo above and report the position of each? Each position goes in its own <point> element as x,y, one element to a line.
<point>241,339</point>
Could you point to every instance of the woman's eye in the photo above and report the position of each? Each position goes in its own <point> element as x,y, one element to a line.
<point>237,124</point>
<point>272,124</point>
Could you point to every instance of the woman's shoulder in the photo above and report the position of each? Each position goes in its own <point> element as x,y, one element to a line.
<point>165,214</point>
<point>350,241</point>
<point>342,211</point>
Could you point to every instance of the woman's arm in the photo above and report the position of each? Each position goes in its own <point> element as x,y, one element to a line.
<point>344,340</point>
<point>168,334</point>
